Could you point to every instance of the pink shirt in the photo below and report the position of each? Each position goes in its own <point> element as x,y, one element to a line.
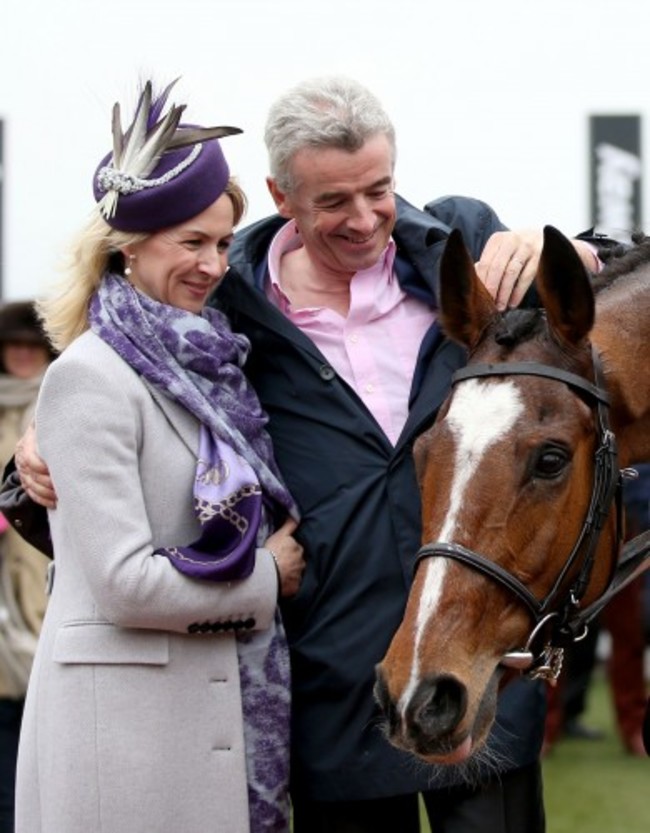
<point>374,348</point>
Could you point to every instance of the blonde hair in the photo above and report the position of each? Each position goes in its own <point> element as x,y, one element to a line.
<point>65,313</point>
<point>238,199</point>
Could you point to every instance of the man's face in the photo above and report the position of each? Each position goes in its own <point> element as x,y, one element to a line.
<point>343,204</point>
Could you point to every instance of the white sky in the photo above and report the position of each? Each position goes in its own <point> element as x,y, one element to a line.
<point>490,100</point>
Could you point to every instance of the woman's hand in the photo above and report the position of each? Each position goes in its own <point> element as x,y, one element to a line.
<point>288,556</point>
<point>34,474</point>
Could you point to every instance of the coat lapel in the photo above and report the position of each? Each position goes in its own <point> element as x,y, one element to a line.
<point>253,303</point>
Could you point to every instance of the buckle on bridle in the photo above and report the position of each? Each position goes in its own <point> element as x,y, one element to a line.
<point>544,663</point>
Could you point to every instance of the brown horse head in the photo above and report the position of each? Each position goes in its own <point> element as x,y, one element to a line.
<point>506,471</point>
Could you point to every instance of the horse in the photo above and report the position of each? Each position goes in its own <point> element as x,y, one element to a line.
<point>520,479</point>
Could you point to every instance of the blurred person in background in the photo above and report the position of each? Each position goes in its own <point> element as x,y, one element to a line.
<point>624,621</point>
<point>24,355</point>
<point>624,618</point>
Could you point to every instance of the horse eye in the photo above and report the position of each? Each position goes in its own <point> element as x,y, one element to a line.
<point>550,462</point>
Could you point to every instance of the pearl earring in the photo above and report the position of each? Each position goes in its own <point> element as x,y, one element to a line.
<point>127,269</point>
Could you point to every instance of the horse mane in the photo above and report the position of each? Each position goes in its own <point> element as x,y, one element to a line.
<point>622,260</point>
<point>517,325</point>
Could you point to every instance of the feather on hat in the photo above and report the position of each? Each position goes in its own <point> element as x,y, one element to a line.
<point>160,172</point>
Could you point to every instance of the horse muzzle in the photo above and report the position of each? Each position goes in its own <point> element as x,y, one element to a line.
<point>433,723</point>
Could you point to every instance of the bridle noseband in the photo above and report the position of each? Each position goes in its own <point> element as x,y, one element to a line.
<point>557,617</point>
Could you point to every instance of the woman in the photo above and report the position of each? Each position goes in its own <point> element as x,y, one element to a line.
<point>159,694</point>
<point>24,356</point>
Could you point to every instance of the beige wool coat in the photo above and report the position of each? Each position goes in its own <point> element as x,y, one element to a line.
<point>132,723</point>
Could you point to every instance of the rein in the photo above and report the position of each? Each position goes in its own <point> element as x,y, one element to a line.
<point>557,617</point>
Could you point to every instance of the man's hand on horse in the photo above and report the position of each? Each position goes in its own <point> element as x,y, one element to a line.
<point>509,262</point>
<point>34,474</point>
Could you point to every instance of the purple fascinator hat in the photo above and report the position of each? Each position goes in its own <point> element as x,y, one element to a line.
<point>160,172</point>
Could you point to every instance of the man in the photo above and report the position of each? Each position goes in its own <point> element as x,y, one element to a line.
<point>338,296</point>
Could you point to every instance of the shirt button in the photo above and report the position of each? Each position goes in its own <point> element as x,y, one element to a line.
<point>354,338</point>
<point>370,388</point>
<point>327,373</point>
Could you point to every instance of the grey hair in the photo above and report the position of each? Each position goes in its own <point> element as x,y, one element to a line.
<point>322,112</point>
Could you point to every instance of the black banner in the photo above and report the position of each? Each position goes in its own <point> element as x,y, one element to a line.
<point>615,155</point>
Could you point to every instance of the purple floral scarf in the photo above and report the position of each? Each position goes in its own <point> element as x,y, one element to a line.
<point>197,361</point>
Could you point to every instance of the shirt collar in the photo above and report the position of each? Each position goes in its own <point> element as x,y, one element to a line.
<point>288,238</point>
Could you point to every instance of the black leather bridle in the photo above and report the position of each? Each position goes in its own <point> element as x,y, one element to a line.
<point>558,619</point>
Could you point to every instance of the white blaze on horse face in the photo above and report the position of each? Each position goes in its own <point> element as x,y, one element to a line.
<point>481,413</point>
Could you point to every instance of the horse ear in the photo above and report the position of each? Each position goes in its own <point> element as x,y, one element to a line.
<point>565,289</point>
<point>466,307</point>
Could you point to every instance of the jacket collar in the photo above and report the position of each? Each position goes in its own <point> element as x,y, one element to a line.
<point>242,288</point>
<point>420,240</point>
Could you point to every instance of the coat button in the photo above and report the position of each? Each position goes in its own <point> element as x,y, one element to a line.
<point>327,373</point>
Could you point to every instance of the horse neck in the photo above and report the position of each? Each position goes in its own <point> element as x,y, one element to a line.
<point>621,338</point>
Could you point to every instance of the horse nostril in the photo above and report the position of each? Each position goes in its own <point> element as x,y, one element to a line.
<point>385,701</point>
<point>437,706</point>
